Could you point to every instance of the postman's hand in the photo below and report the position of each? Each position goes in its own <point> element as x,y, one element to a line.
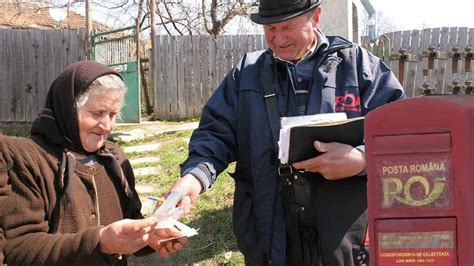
<point>337,161</point>
<point>190,186</point>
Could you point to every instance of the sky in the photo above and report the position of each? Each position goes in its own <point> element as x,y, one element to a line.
<point>420,14</point>
<point>405,14</point>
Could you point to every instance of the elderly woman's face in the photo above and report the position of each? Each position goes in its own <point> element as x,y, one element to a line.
<point>97,118</point>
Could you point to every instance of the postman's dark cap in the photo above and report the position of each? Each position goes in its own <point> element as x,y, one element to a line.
<point>274,11</point>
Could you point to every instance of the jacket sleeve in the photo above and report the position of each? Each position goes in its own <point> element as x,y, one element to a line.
<point>4,202</point>
<point>28,239</point>
<point>213,144</point>
<point>379,84</point>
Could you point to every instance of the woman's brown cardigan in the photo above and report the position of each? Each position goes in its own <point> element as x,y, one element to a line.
<point>5,204</point>
<point>45,228</point>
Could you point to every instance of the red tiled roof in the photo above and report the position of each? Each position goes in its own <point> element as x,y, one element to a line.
<point>30,15</point>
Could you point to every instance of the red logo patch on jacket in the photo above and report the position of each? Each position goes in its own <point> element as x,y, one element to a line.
<point>348,102</point>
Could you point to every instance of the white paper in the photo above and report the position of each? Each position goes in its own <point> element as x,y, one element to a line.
<point>184,229</point>
<point>307,120</point>
<point>168,215</point>
<point>168,208</point>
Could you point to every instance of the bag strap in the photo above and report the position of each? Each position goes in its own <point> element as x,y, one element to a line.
<point>268,85</point>
<point>268,82</point>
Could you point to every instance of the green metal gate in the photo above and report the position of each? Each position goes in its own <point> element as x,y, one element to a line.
<point>117,49</point>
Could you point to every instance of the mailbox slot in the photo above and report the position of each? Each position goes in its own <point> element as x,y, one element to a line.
<point>415,143</point>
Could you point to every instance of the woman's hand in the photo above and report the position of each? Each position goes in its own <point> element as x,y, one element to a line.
<point>126,236</point>
<point>166,247</point>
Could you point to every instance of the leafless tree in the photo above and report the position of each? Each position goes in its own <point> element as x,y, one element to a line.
<point>174,17</point>
<point>202,16</point>
<point>385,24</point>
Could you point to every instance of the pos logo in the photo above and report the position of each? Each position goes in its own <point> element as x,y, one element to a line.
<point>394,189</point>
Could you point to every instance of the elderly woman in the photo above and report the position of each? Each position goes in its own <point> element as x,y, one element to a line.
<point>73,190</point>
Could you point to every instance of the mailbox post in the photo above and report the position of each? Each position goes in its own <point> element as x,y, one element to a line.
<point>420,163</point>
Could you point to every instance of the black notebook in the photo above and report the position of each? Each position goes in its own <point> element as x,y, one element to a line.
<point>300,138</point>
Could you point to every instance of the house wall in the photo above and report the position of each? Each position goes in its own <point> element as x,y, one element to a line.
<point>336,18</point>
<point>342,18</point>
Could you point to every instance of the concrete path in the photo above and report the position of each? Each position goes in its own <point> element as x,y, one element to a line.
<point>142,148</point>
<point>146,165</point>
<point>144,160</point>
<point>150,128</point>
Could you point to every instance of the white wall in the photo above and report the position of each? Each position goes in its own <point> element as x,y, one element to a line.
<point>336,18</point>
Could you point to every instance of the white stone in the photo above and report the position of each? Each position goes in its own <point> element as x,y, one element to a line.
<point>147,159</point>
<point>142,148</point>
<point>152,170</point>
<point>145,189</point>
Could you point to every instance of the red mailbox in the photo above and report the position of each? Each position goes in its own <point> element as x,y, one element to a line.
<point>420,163</point>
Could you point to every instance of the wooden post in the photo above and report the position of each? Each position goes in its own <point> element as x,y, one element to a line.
<point>151,68</point>
<point>88,30</point>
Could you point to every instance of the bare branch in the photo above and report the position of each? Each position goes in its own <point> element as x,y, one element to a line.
<point>172,21</point>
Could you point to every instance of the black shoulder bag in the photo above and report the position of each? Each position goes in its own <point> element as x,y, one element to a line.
<point>301,234</point>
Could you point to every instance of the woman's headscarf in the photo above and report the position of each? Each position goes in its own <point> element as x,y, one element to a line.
<point>58,121</point>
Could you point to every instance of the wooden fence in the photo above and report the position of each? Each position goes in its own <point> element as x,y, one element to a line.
<point>189,68</point>
<point>29,62</point>
<point>430,61</point>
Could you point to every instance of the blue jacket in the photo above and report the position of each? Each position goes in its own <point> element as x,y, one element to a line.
<point>234,126</point>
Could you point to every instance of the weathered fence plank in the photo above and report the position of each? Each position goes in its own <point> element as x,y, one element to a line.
<point>212,48</point>
<point>414,50</point>
<point>261,42</point>
<point>227,54</point>
<point>18,97</point>
<point>451,47</point>
<point>395,50</point>
<point>180,74</point>
<point>469,82</point>
<point>236,48</point>
<point>196,76</point>
<point>158,77</point>
<point>423,72</point>
<point>173,88</point>
<point>188,76</point>
<point>28,75</point>
<point>440,68</point>
<point>4,77</point>
<point>462,44</point>
<point>410,44</point>
<point>40,85</point>
<point>220,60</point>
